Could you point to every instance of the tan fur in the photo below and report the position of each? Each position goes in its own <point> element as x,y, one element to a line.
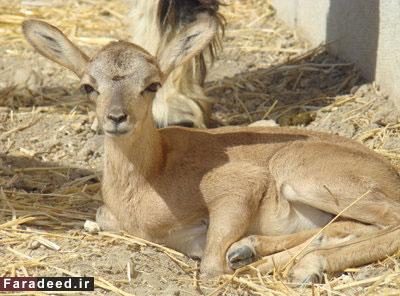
<point>182,98</point>
<point>205,191</point>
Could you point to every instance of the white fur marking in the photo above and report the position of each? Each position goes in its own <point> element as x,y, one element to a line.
<point>307,217</point>
<point>189,239</point>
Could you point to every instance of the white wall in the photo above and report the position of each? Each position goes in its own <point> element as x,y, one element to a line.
<point>366,32</point>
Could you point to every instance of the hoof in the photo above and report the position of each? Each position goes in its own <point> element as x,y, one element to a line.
<point>309,270</point>
<point>240,256</point>
<point>307,280</point>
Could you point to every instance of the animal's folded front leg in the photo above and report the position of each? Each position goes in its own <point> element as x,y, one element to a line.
<point>106,220</point>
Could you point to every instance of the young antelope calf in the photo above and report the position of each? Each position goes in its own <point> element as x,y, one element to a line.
<point>181,100</point>
<point>233,194</point>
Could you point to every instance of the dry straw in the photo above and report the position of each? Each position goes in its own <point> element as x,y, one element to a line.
<point>277,76</point>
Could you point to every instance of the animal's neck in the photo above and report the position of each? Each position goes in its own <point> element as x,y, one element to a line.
<point>132,162</point>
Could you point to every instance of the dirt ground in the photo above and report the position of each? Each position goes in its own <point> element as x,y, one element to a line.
<point>51,158</point>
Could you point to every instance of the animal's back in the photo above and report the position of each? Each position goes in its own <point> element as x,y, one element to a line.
<point>251,144</point>
<point>282,152</point>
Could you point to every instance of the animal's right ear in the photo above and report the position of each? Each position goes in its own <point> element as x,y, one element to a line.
<point>52,43</point>
<point>187,44</point>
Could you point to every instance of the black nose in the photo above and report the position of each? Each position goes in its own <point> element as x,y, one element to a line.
<point>117,116</point>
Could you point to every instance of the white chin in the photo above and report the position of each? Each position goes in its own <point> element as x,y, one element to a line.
<point>116,134</point>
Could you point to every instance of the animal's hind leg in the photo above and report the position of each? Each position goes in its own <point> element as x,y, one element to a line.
<point>331,187</point>
<point>257,246</point>
<point>335,258</point>
<point>334,245</point>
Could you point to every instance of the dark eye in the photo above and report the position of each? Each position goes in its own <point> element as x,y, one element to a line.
<point>152,87</point>
<point>88,88</point>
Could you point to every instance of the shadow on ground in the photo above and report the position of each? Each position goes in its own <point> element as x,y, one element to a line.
<point>56,196</point>
<point>301,85</point>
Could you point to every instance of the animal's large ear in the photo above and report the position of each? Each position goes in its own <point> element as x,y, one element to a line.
<point>52,43</point>
<point>187,44</point>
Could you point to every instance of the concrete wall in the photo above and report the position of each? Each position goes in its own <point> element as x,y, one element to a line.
<point>366,32</point>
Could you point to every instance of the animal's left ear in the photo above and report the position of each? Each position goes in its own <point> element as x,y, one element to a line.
<point>187,44</point>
